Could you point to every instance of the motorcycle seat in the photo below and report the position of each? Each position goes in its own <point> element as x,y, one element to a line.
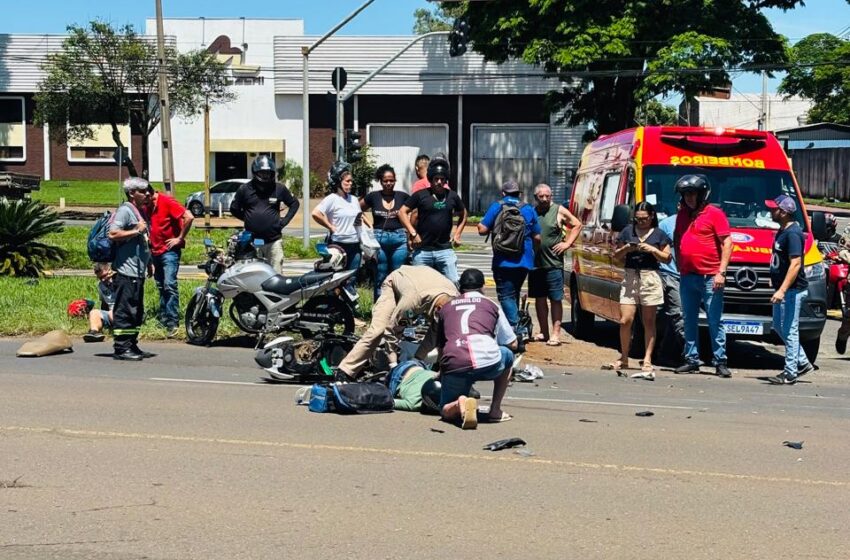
<point>285,285</point>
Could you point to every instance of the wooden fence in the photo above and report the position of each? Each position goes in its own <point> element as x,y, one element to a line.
<point>823,173</point>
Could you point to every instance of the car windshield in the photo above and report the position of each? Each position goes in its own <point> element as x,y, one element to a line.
<point>740,193</point>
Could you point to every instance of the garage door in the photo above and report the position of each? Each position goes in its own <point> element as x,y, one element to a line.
<point>399,145</point>
<point>502,152</point>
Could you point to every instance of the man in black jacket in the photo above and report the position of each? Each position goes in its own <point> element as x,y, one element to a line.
<point>257,204</point>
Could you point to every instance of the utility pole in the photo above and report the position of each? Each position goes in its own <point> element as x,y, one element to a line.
<point>305,108</point>
<point>763,115</point>
<point>207,198</point>
<point>164,106</point>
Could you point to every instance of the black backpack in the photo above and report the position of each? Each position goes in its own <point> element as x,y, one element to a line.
<point>351,398</point>
<point>509,231</point>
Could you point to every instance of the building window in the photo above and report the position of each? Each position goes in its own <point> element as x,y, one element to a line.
<point>101,147</point>
<point>13,129</point>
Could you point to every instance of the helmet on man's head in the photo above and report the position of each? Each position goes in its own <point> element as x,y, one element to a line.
<point>336,173</point>
<point>263,169</point>
<point>333,258</point>
<point>431,397</point>
<point>694,183</point>
<point>438,167</point>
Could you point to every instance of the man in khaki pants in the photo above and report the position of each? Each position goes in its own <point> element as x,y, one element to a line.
<point>408,291</point>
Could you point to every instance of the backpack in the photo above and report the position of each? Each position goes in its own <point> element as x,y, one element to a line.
<point>100,248</point>
<point>351,398</point>
<point>509,231</point>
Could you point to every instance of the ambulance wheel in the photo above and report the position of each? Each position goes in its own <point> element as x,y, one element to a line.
<point>582,320</point>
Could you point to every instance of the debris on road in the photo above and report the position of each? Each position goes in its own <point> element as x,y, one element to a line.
<point>504,444</point>
<point>588,421</point>
<point>525,452</point>
<point>793,444</point>
<point>528,373</point>
<point>54,342</point>
<point>648,375</point>
<point>645,413</point>
<point>438,431</point>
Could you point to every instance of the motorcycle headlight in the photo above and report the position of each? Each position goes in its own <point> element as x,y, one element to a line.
<point>815,271</point>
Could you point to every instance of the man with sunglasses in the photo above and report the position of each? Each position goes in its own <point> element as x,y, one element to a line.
<point>170,223</point>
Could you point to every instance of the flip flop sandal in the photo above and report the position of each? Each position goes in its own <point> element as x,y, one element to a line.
<point>504,418</point>
<point>538,338</point>
<point>553,342</point>
<point>616,365</point>
<point>469,414</point>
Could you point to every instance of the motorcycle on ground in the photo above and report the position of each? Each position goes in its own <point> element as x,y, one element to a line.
<point>263,302</point>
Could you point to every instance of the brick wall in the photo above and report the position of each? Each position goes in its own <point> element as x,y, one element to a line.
<point>64,170</point>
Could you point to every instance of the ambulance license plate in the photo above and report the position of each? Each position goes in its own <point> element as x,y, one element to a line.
<point>743,327</point>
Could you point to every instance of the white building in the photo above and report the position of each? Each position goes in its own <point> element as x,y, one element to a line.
<point>743,110</point>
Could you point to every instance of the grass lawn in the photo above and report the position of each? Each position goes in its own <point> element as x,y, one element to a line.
<point>36,307</point>
<point>73,240</point>
<point>98,193</point>
<point>827,202</point>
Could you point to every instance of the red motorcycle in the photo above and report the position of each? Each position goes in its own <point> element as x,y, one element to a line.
<point>838,272</point>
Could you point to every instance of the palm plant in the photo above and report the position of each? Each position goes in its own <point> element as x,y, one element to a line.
<point>22,224</point>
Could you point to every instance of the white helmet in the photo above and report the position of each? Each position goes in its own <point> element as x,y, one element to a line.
<point>333,259</point>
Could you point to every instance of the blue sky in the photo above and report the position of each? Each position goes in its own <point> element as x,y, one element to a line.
<point>384,17</point>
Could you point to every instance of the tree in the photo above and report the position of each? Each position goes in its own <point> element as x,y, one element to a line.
<point>819,71</point>
<point>22,224</point>
<point>108,76</point>
<point>654,112</point>
<point>612,57</point>
<point>440,19</point>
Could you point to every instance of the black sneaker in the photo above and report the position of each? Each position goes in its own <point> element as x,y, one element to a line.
<point>93,336</point>
<point>342,377</point>
<point>841,345</point>
<point>142,353</point>
<point>781,379</point>
<point>129,356</point>
<point>689,367</point>
<point>722,371</point>
<point>809,368</point>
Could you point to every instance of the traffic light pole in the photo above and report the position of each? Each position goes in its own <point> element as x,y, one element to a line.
<point>305,107</point>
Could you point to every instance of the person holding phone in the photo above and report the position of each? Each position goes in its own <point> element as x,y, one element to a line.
<point>641,246</point>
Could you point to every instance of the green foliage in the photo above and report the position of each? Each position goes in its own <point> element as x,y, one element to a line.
<point>107,194</point>
<point>438,19</point>
<point>813,76</point>
<point>109,76</point>
<point>291,174</point>
<point>363,171</point>
<point>613,57</point>
<point>22,225</point>
<point>654,112</point>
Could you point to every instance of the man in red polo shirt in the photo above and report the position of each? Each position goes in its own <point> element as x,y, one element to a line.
<point>170,223</point>
<point>703,249</point>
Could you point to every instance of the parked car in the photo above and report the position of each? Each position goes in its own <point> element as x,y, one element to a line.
<point>220,196</point>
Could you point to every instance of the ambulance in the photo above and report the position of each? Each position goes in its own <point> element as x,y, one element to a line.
<point>744,168</point>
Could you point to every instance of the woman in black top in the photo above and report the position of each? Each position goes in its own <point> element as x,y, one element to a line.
<point>642,245</point>
<point>385,205</point>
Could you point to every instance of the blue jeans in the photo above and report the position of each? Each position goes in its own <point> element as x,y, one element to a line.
<point>786,323</point>
<point>443,261</point>
<point>455,385</point>
<point>392,255</point>
<point>697,289</point>
<point>165,267</point>
<point>509,282</point>
<point>353,255</point>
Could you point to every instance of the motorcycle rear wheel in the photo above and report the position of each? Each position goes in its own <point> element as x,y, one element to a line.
<point>201,324</point>
<point>334,312</point>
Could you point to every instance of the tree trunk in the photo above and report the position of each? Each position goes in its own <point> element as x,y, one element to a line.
<point>145,155</point>
<point>116,137</point>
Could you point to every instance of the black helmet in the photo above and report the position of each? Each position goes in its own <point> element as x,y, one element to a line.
<point>431,397</point>
<point>263,169</point>
<point>335,173</point>
<point>693,183</point>
<point>438,167</point>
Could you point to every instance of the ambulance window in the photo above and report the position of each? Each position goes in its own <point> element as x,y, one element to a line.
<point>585,203</point>
<point>630,186</point>
<point>609,196</point>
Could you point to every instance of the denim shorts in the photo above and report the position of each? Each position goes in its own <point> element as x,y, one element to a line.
<point>458,384</point>
<point>546,282</point>
<point>104,316</point>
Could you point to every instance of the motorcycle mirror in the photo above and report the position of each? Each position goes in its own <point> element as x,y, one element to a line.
<point>208,242</point>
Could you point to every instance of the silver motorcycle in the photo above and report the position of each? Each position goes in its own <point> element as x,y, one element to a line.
<point>263,302</point>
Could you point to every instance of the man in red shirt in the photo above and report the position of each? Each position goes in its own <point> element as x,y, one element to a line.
<point>170,223</point>
<point>703,249</point>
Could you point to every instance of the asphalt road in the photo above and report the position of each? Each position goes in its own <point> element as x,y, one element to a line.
<point>188,455</point>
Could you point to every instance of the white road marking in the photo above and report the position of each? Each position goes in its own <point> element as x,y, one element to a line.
<point>210,381</point>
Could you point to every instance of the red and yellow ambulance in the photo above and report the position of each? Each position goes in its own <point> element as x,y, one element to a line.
<point>744,167</point>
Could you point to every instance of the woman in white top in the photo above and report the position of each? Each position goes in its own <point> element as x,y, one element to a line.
<point>340,214</point>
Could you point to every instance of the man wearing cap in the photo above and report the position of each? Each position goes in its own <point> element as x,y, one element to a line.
<point>511,270</point>
<point>407,293</point>
<point>476,343</point>
<point>129,232</point>
<point>789,281</point>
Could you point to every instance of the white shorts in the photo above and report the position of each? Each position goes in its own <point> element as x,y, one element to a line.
<point>642,287</point>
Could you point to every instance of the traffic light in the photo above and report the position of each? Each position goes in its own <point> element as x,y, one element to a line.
<point>353,147</point>
<point>459,37</point>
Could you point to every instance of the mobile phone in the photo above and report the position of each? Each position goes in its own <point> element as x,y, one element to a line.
<point>633,244</point>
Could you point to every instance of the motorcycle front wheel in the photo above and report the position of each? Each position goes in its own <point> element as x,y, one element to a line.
<point>201,324</point>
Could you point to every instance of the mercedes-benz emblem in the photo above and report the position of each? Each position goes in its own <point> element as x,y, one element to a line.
<point>747,279</point>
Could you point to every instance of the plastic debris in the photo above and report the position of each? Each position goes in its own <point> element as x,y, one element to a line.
<point>525,452</point>
<point>793,444</point>
<point>648,375</point>
<point>528,373</point>
<point>645,413</point>
<point>588,421</point>
<point>438,431</point>
<point>504,444</point>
